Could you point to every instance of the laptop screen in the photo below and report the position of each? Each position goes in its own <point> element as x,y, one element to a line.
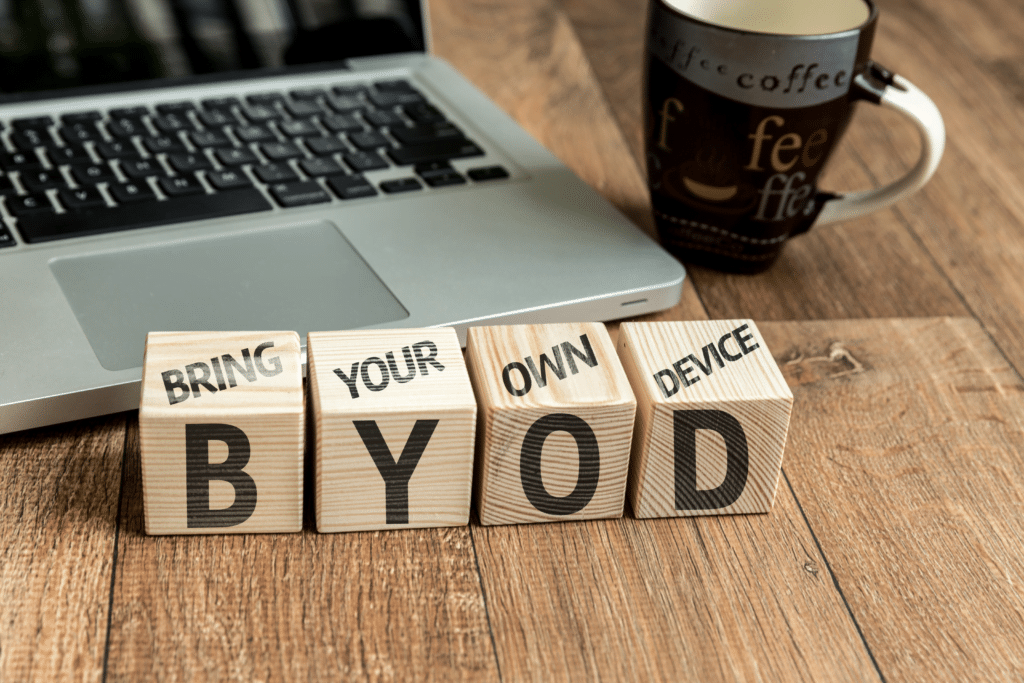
<point>48,45</point>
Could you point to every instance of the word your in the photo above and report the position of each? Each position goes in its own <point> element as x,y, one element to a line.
<point>712,350</point>
<point>531,373</point>
<point>414,358</point>
<point>223,369</point>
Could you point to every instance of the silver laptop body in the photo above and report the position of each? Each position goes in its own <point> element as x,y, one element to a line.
<point>537,246</point>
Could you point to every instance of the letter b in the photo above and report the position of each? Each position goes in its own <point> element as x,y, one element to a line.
<point>199,471</point>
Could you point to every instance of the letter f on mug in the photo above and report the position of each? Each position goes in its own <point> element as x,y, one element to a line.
<point>665,119</point>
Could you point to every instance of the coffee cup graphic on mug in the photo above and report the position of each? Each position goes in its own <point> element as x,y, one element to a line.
<point>745,101</point>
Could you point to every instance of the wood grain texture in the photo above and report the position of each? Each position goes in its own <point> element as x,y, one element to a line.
<point>413,387</point>
<point>906,453</point>
<point>871,267</point>
<point>556,419</point>
<point>373,606</point>
<point>58,515</point>
<point>719,375</point>
<point>244,391</point>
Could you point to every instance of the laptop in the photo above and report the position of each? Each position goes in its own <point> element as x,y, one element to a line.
<point>270,165</point>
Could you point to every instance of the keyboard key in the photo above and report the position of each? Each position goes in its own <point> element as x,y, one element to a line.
<point>32,122</point>
<point>6,238</point>
<point>6,186</point>
<point>119,149</point>
<point>280,151</point>
<point>69,154</point>
<point>209,138</point>
<point>383,118</point>
<point>181,185</point>
<point>142,168</point>
<point>217,118</point>
<point>325,146</point>
<point>304,108</point>
<point>221,103</point>
<point>351,186</point>
<point>254,133</point>
<point>439,174</point>
<point>235,157</point>
<point>260,113</point>
<point>89,174</point>
<point>349,89</point>
<point>299,194</point>
<point>401,185</point>
<point>394,85</point>
<point>20,161</point>
<point>46,227</point>
<point>28,204</point>
<point>387,100</point>
<point>189,163</point>
<point>126,127</point>
<point>265,98</point>
<point>79,132</point>
<point>414,135</point>
<point>175,107</point>
<point>345,104</point>
<point>341,123</point>
<point>368,139</point>
<point>364,161</point>
<point>130,193</point>
<point>81,117</point>
<point>320,167</point>
<point>163,143</point>
<point>36,181</point>
<point>275,173</point>
<point>172,122</point>
<point>81,198</point>
<point>487,173</point>
<point>228,180</point>
<point>129,112</point>
<point>439,150</point>
<point>298,129</point>
<point>28,139</point>
<point>308,93</point>
<point>423,112</point>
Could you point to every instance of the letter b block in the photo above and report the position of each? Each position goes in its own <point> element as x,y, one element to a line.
<point>395,421</point>
<point>556,418</point>
<point>221,424</point>
<point>712,418</point>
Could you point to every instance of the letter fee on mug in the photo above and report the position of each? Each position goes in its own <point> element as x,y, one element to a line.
<point>745,102</point>
<point>713,412</point>
<point>222,432</point>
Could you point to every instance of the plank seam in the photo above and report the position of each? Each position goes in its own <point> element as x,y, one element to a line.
<point>483,593</point>
<point>835,580</point>
<point>117,541</point>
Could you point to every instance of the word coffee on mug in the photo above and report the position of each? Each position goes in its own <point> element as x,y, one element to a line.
<point>745,102</point>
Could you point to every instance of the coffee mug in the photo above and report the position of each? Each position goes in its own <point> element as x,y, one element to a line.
<point>745,101</point>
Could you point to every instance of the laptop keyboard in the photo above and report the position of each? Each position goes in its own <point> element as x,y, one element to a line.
<point>94,172</point>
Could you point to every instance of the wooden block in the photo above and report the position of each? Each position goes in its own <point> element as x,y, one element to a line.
<point>712,418</point>
<point>395,421</point>
<point>556,418</point>
<point>222,429</point>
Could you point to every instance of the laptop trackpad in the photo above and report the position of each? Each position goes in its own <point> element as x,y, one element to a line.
<point>302,278</point>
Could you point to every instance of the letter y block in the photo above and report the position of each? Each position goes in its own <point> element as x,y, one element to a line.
<point>712,417</point>
<point>222,432</point>
<point>395,419</point>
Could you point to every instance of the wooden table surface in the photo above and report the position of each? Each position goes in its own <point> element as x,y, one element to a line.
<point>895,550</point>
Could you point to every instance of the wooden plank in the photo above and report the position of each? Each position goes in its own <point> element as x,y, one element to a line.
<point>969,216</point>
<point>58,514</point>
<point>907,454</point>
<point>378,606</point>
<point>872,267</point>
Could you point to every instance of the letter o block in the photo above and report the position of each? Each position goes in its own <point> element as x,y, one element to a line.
<point>395,421</point>
<point>222,432</point>
<point>712,417</point>
<point>556,419</point>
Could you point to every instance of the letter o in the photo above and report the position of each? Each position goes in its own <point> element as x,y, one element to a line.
<point>589,469</point>
<point>507,379</point>
<point>774,81</point>
<point>385,378</point>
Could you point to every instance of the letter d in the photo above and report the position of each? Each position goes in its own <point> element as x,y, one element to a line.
<point>685,424</point>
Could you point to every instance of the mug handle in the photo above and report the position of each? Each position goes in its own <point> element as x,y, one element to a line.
<point>880,86</point>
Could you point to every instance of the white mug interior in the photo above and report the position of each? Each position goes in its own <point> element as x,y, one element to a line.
<point>784,17</point>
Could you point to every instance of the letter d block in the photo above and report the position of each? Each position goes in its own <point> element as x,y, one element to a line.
<point>556,418</point>
<point>395,420</point>
<point>222,430</point>
<point>712,418</point>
